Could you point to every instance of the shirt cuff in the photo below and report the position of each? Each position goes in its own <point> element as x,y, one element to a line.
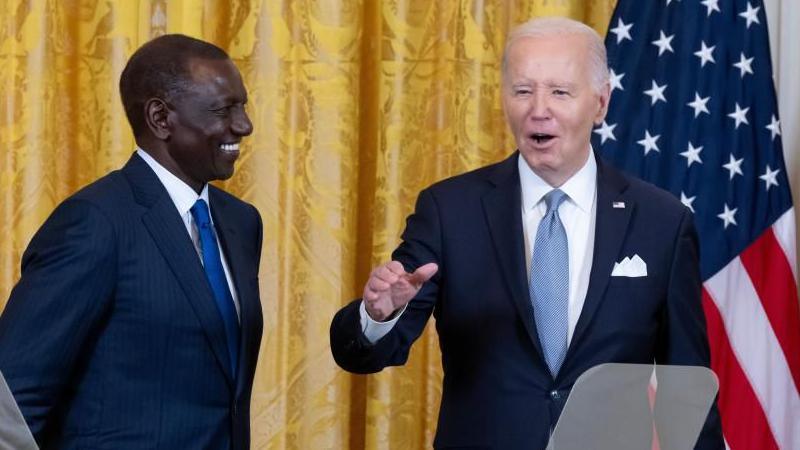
<point>374,330</point>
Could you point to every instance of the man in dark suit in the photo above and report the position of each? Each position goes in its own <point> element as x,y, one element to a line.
<point>523,263</point>
<point>136,322</point>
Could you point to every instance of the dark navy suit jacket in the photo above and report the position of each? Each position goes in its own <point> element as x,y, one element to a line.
<point>497,391</point>
<point>112,340</point>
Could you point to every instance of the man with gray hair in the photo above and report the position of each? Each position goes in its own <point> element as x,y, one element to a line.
<point>516,261</point>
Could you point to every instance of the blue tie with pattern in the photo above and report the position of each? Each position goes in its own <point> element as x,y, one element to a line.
<point>549,283</point>
<point>212,263</point>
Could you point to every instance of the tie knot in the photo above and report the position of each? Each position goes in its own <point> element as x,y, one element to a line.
<point>200,214</point>
<point>553,199</point>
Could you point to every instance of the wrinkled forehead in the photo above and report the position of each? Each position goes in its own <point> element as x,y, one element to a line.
<point>567,54</point>
<point>215,71</point>
<point>214,81</point>
<point>555,45</point>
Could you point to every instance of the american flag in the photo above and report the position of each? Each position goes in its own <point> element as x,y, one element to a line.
<point>693,110</point>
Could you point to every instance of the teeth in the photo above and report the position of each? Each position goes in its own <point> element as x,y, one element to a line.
<point>229,147</point>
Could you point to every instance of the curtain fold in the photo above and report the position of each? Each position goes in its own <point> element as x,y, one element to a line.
<point>356,107</point>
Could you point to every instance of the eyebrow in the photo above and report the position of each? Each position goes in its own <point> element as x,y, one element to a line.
<point>227,101</point>
<point>549,84</point>
<point>562,85</point>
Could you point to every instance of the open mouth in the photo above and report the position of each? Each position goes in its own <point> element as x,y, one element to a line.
<point>541,138</point>
<point>230,148</point>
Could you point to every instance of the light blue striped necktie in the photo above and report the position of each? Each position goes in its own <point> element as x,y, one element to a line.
<point>549,283</point>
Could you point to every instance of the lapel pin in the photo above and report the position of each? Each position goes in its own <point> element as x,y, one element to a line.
<point>618,205</point>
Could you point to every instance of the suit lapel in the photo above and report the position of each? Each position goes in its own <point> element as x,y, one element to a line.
<point>169,233</point>
<point>503,209</point>
<point>610,230</point>
<point>232,246</point>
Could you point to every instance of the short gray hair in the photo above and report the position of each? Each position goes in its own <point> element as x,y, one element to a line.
<point>550,26</point>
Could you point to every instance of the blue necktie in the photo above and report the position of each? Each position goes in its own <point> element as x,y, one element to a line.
<point>549,283</point>
<point>212,263</point>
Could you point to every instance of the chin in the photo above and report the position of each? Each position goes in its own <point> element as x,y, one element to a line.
<point>542,161</point>
<point>224,172</point>
<point>224,176</point>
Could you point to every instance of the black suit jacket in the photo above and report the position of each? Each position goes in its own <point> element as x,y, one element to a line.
<point>497,390</point>
<point>112,340</point>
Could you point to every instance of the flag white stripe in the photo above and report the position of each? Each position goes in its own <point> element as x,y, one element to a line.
<point>784,230</point>
<point>757,349</point>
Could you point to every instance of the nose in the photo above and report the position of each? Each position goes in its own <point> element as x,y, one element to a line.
<point>241,125</point>
<point>539,107</point>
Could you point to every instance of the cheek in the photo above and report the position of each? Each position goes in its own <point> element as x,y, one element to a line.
<point>196,128</point>
<point>580,120</point>
<point>206,123</point>
<point>515,118</point>
<point>211,127</point>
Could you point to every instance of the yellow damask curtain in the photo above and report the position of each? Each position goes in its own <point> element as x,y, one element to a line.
<point>357,105</point>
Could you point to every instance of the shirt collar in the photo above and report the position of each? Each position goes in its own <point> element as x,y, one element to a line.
<point>580,188</point>
<point>183,196</point>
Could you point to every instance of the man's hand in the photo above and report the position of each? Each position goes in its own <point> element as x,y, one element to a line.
<point>390,288</point>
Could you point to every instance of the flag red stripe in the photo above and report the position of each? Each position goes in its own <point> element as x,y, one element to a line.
<point>772,278</point>
<point>743,421</point>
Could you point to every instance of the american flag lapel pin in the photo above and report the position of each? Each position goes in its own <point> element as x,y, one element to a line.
<point>620,205</point>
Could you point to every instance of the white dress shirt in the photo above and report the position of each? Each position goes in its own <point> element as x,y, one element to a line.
<point>578,213</point>
<point>184,197</point>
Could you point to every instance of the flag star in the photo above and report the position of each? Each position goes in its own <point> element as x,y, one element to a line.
<point>734,166</point>
<point>770,177</point>
<point>692,155</point>
<point>727,216</point>
<point>774,127</point>
<point>740,116</point>
<point>663,43</point>
<point>705,54</point>
<point>656,93</point>
<point>622,31</point>
<point>712,5</point>
<point>606,132</point>
<point>616,80</point>
<point>751,15</point>
<point>687,201</point>
<point>699,104</point>
<point>744,65</point>
<point>649,142</point>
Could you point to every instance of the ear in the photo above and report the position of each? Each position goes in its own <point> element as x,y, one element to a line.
<point>602,102</point>
<point>156,116</point>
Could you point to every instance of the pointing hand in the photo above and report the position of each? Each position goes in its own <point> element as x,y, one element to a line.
<point>390,288</point>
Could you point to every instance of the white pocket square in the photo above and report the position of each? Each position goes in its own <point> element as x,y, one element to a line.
<point>630,267</point>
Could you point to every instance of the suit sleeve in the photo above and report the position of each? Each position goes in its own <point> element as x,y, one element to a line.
<point>68,276</point>
<point>421,244</point>
<point>259,235</point>
<point>683,339</point>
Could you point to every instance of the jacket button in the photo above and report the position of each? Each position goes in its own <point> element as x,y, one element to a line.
<point>555,395</point>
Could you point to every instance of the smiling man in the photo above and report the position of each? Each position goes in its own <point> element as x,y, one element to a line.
<point>516,261</point>
<point>136,322</point>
